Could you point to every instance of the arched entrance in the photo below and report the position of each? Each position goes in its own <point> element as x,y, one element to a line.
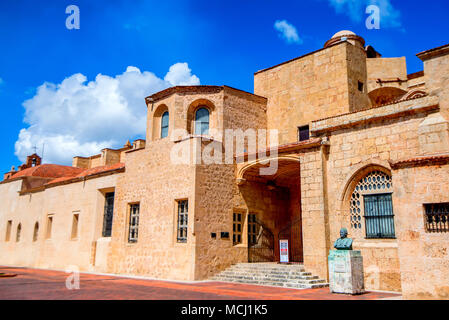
<point>273,204</point>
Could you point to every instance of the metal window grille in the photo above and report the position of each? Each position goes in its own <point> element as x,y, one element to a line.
<point>375,182</point>
<point>252,229</point>
<point>183,215</point>
<point>108,214</point>
<point>303,133</point>
<point>437,217</point>
<point>134,210</point>
<point>237,227</point>
<point>379,218</point>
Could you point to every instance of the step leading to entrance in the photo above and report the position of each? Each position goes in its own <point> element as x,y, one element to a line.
<point>271,274</point>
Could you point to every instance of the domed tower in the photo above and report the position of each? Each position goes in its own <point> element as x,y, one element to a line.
<point>345,35</point>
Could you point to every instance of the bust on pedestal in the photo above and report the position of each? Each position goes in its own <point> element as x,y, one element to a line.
<point>345,267</point>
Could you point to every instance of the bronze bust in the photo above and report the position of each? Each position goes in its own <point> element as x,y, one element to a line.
<point>343,243</point>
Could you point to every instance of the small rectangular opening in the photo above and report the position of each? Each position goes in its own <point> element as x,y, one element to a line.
<point>303,133</point>
<point>75,221</point>
<point>360,86</point>
<point>134,212</point>
<point>183,221</point>
<point>237,228</point>
<point>8,230</point>
<point>49,227</point>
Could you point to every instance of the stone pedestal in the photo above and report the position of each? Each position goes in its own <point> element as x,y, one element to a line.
<point>346,272</point>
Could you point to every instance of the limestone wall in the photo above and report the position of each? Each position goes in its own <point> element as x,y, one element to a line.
<point>156,183</point>
<point>305,89</point>
<point>350,152</point>
<point>60,250</point>
<point>424,257</point>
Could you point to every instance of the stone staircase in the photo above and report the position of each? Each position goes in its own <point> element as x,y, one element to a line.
<point>271,274</point>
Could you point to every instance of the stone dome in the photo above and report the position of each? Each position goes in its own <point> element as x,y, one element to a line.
<point>343,33</point>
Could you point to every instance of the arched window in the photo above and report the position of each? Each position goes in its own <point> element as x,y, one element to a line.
<point>164,124</point>
<point>371,202</point>
<point>36,231</point>
<point>19,230</point>
<point>202,121</point>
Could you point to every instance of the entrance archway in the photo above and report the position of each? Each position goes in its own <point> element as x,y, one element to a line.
<point>274,209</point>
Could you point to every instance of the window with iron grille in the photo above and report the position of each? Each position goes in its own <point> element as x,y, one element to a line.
<point>183,215</point>
<point>437,217</point>
<point>237,227</point>
<point>134,210</point>
<point>303,133</point>
<point>108,214</point>
<point>379,218</point>
<point>252,229</point>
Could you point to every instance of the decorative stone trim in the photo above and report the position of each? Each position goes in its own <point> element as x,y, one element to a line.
<point>390,111</point>
<point>421,161</point>
<point>311,143</point>
<point>200,90</point>
<point>431,53</point>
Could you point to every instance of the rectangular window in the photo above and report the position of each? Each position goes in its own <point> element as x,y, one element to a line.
<point>237,227</point>
<point>108,214</point>
<point>379,218</point>
<point>8,230</point>
<point>75,221</point>
<point>183,219</point>
<point>437,217</point>
<point>134,210</point>
<point>303,133</point>
<point>49,226</point>
<point>252,229</point>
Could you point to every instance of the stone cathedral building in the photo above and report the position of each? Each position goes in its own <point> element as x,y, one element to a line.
<point>362,144</point>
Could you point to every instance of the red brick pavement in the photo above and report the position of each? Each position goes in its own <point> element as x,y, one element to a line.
<point>33,284</point>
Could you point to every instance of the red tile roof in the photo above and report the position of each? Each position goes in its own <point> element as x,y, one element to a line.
<point>57,174</point>
<point>88,173</point>
<point>48,171</point>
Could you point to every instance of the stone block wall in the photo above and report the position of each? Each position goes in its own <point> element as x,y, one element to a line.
<point>424,256</point>
<point>62,202</point>
<point>305,89</point>
<point>153,181</point>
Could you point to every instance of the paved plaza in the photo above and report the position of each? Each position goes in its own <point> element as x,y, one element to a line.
<point>31,284</point>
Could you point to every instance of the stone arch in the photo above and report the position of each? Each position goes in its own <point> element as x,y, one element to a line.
<point>157,118</point>
<point>359,171</point>
<point>261,162</point>
<point>412,94</point>
<point>375,168</point>
<point>194,107</point>
<point>385,95</point>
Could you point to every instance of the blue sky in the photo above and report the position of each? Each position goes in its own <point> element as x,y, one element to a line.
<point>143,46</point>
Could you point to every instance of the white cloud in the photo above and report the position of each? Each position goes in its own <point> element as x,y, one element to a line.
<point>180,74</point>
<point>77,117</point>
<point>287,31</point>
<point>390,17</point>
